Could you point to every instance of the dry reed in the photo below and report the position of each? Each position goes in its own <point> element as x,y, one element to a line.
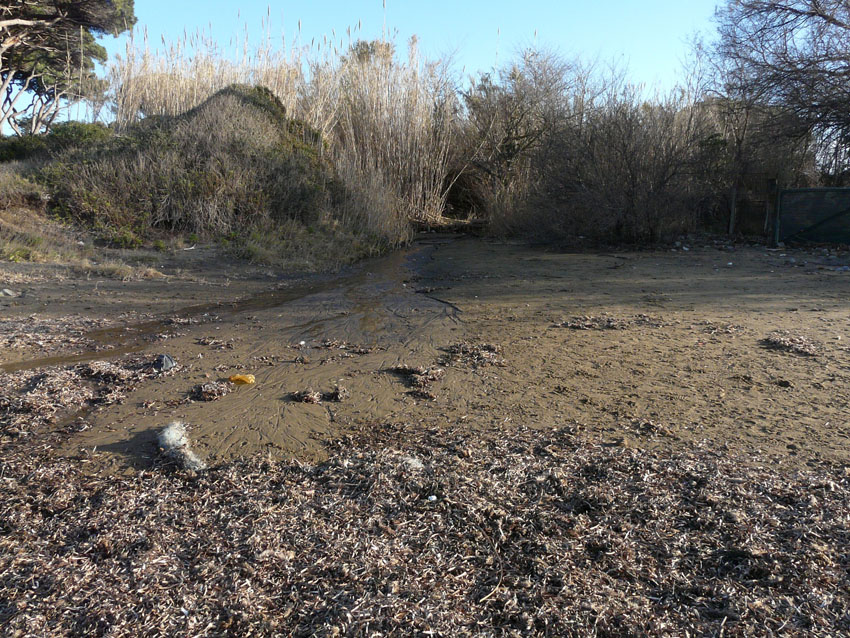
<point>443,533</point>
<point>388,123</point>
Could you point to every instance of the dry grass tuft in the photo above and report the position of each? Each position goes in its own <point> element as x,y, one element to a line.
<point>532,533</point>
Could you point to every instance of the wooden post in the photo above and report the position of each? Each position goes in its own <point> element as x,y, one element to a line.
<point>733,208</point>
<point>771,213</point>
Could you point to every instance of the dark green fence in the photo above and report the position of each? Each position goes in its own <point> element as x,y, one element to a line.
<point>814,214</point>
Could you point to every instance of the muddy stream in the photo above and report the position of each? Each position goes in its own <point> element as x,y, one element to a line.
<point>348,331</point>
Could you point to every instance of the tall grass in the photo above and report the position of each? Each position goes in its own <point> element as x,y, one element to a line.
<point>544,145</point>
<point>387,123</point>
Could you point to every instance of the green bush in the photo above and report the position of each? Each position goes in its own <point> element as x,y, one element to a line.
<point>231,165</point>
<point>63,136</point>
<point>231,161</point>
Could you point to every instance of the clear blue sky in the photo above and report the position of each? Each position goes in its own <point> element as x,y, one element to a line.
<point>648,36</point>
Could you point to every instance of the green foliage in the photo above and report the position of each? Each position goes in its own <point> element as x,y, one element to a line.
<point>63,136</point>
<point>48,49</point>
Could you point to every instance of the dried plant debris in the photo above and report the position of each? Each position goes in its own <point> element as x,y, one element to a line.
<point>794,343</point>
<point>183,321</point>
<point>715,328</point>
<point>337,395</point>
<point>419,377</point>
<point>33,398</point>
<point>609,322</point>
<point>309,395</point>
<point>527,534</point>
<point>49,334</point>
<point>423,393</point>
<point>473,355</point>
<point>210,391</point>
<point>649,428</point>
<point>218,344</point>
<point>333,344</point>
<point>174,445</point>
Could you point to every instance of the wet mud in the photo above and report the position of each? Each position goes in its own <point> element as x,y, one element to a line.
<point>634,349</point>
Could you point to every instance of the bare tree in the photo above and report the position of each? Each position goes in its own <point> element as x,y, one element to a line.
<point>512,118</point>
<point>794,56</point>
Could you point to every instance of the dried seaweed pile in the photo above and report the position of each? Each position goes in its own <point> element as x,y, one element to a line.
<point>788,342</point>
<point>609,322</point>
<point>210,391</point>
<point>31,399</point>
<point>17,278</point>
<point>309,395</point>
<point>218,344</point>
<point>334,344</point>
<point>48,334</point>
<point>713,328</point>
<point>420,379</point>
<point>529,534</point>
<point>474,355</point>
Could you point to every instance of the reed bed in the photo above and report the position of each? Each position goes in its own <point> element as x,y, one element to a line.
<point>388,122</point>
<point>448,533</point>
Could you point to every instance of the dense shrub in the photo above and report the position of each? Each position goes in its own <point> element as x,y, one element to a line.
<point>236,162</point>
<point>62,136</point>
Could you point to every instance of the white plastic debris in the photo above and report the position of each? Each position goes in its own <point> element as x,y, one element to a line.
<point>174,445</point>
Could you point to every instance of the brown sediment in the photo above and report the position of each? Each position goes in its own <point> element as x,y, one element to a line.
<point>675,474</point>
<point>685,364</point>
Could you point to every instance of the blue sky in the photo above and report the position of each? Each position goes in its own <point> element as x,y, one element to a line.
<point>649,37</point>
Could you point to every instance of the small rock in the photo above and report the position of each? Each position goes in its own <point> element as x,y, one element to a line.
<point>9,293</point>
<point>412,463</point>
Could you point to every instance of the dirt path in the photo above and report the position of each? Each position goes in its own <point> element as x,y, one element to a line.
<point>652,349</point>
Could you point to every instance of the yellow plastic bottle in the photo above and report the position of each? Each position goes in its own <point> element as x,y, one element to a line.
<point>242,379</point>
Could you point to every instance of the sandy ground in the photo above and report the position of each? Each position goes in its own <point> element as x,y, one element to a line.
<point>658,349</point>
